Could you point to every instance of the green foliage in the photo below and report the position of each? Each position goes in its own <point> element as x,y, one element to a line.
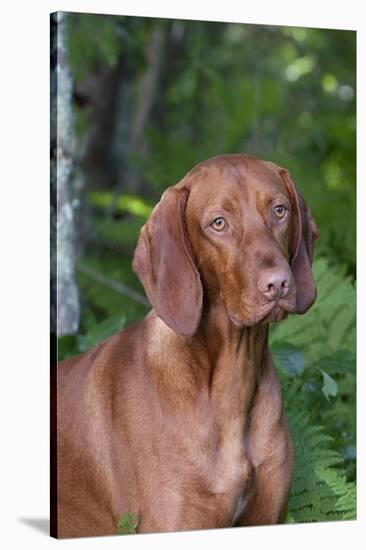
<point>97,334</point>
<point>92,39</point>
<point>121,203</point>
<point>330,325</point>
<point>70,345</point>
<point>121,233</point>
<point>319,492</point>
<point>291,99</point>
<point>317,372</point>
<point>329,387</point>
<point>128,524</point>
<point>345,492</point>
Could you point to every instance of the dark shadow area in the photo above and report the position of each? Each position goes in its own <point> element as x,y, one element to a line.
<point>40,524</point>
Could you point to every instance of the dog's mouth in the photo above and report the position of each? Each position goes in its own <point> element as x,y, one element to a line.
<point>278,312</point>
<point>271,312</point>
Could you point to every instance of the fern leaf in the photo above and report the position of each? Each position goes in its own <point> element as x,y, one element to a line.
<point>319,492</point>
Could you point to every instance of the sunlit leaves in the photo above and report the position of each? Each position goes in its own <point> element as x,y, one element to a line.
<point>128,203</point>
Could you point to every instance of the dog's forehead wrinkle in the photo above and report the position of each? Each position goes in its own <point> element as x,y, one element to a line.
<point>232,167</point>
<point>236,172</point>
<point>224,169</point>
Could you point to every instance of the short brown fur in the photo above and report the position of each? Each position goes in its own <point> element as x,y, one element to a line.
<point>178,418</point>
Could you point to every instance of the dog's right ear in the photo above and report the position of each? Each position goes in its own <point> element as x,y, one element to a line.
<point>165,265</point>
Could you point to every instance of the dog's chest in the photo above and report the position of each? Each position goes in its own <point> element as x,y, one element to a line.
<point>232,467</point>
<point>225,472</point>
<point>225,468</point>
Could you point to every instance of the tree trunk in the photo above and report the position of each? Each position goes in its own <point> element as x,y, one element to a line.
<point>64,293</point>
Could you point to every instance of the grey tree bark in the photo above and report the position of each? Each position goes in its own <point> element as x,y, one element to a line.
<point>64,292</point>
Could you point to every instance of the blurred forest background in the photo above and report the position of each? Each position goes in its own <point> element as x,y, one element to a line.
<point>140,102</point>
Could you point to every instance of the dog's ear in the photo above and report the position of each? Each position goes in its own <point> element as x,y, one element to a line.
<point>165,265</point>
<point>305,233</point>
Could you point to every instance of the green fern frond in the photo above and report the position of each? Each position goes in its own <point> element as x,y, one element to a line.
<point>339,362</point>
<point>319,491</point>
<point>330,325</point>
<point>344,491</point>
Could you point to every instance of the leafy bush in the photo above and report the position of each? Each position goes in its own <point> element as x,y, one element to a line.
<point>317,372</point>
<point>320,491</point>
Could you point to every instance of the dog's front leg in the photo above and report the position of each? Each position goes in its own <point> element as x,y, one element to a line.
<point>270,450</point>
<point>267,500</point>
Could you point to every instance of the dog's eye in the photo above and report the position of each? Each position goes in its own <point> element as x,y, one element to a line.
<point>218,224</point>
<point>280,211</point>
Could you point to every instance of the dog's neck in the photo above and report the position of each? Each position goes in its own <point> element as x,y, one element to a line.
<point>220,361</point>
<point>207,384</point>
<point>220,333</point>
<point>232,353</point>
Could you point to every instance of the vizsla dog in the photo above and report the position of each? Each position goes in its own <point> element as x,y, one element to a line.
<point>178,418</point>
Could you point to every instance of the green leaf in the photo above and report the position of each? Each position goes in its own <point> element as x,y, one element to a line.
<point>128,524</point>
<point>330,387</point>
<point>289,358</point>
<point>67,346</point>
<point>100,332</point>
<point>320,491</point>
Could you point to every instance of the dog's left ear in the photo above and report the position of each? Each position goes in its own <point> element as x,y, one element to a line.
<point>305,234</point>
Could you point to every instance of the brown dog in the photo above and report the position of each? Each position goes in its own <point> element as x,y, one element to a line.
<point>178,419</point>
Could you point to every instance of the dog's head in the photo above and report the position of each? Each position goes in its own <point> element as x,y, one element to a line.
<point>234,229</point>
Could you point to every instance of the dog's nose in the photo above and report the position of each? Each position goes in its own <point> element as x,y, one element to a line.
<point>274,284</point>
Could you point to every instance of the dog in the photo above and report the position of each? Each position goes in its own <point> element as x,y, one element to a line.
<point>178,419</point>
